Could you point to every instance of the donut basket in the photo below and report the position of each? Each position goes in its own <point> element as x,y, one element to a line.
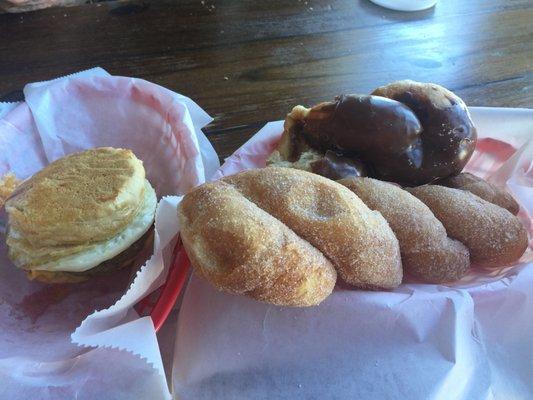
<point>489,155</point>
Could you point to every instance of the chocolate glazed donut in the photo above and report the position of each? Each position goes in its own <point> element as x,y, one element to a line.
<point>384,133</point>
<point>448,137</point>
<point>406,132</point>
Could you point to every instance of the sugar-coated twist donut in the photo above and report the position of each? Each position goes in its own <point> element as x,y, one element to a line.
<point>481,188</point>
<point>357,240</point>
<point>427,252</point>
<point>493,235</point>
<point>241,249</point>
<point>269,233</point>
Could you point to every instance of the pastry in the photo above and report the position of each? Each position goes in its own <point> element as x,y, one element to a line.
<point>493,235</point>
<point>253,213</point>
<point>406,132</point>
<point>481,188</point>
<point>81,214</point>
<point>426,250</point>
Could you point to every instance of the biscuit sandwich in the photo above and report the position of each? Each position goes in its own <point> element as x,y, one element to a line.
<point>84,214</point>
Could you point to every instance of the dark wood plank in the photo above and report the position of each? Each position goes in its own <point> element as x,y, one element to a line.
<point>225,141</point>
<point>248,62</point>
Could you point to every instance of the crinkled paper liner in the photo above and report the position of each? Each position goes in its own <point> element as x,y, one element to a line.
<point>71,113</point>
<point>467,340</point>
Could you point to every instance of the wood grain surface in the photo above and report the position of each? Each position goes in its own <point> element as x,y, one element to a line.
<point>248,62</point>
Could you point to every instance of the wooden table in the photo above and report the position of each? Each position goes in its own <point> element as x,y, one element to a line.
<point>247,61</point>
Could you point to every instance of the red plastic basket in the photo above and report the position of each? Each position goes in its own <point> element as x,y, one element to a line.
<point>166,296</point>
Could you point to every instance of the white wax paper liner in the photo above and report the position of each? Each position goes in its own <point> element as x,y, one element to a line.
<point>470,340</point>
<point>7,107</point>
<point>163,128</point>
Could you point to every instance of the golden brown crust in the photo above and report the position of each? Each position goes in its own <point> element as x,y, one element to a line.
<point>8,183</point>
<point>260,232</point>
<point>292,151</point>
<point>426,250</point>
<point>79,199</point>
<point>358,241</point>
<point>242,249</point>
<point>492,234</point>
<point>286,146</point>
<point>84,256</point>
<point>481,188</point>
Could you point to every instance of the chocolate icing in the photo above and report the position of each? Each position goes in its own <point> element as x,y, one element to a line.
<point>407,138</point>
<point>335,167</point>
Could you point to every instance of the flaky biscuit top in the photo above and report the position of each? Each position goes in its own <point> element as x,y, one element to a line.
<point>79,199</point>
